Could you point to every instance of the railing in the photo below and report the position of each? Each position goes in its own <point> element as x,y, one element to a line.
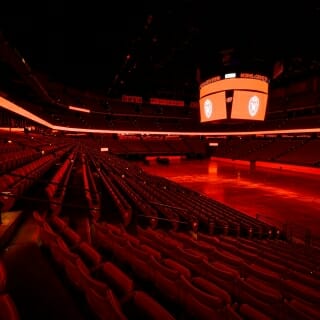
<point>294,233</point>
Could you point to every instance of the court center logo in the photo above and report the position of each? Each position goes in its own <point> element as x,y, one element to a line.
<point>253,106</point>
<point>208,108</point>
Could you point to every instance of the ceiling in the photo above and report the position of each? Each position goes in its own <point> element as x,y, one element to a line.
<point>162,48</point>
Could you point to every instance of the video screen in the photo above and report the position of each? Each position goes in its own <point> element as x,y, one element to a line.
<point>213,107</point>
<point>249,105</point>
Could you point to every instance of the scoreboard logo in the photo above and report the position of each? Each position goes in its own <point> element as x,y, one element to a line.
<point>253,106</point>
<point>208,108</point>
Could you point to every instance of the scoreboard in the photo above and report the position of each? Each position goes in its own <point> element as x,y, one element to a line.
<point>234,96</point>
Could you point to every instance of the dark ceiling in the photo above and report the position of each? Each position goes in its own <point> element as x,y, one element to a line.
<point>160,48</point>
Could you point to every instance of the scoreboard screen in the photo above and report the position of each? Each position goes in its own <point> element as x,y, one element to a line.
<point>213,107</point>
<point>249,105</point>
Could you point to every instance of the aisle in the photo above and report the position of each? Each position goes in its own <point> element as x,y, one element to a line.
<point>75,208</point>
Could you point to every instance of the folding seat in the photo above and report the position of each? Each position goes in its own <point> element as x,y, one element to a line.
<point>147,239</point>
<point>198,303</point>
<point>190,259</point>
<point>222,275</point>
<point>293,289</point>
<point>57,223</point>
<point>228,258</point>
<point>118,238</point>
<point>260,296</point>
<point>168,242</point>
<point>297,309</point>
<point>248,256</point>
<point>89,254</point>
<point>210,239</point>
<point>274,257</point>
<point>120,283</point>
<point>306,279</point>
<point>132,239</point>
<point>122,253</point>
<point>3,277</point>
<point>165,280</point>
<point>191,255</point>
<point>271,265</point>
<point>71,237</point>
<point>211,288</point>
<point>152,243</point>
<point>149,233</point>
<point>178,267</point>
<point>227,246</point>
<point>150,308</point>
<point>249,248</point>
<point>111,227</point>
<point>271,277</point>
<point>203,246</point>
<point>138,251</point>
<point>141,268</point>
<point>62,254</point>
<point>250,313</point>
<point>163,268</point>
<point>149,250</point>
<point>82,279</point>
<point>106,306</point>
<point>102,240</point>
<point>188,241</point>
<point>8,308</point>
<point>298,266</point>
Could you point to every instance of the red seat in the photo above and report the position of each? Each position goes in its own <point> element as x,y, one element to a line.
<point>177,266</point>
<point>248,312</point>
<point>296,309</point>
<point>119,282</point>
<point>89,254</point>
<point>82,279</point>
<point>211,288</point>
<point>8,309</point>
<point>199,303</point>
<point>71,237</point>
<point>105,307</point>
<point>58,223</point>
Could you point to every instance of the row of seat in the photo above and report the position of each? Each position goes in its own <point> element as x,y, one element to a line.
<point>16,159</point>
<point>110,293</point>
<point>216,217</point>
<point>245,281</point>
<point>195,295</point>
<point>305,263</point>
<point>179,203</point>
<point>14,184</point>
